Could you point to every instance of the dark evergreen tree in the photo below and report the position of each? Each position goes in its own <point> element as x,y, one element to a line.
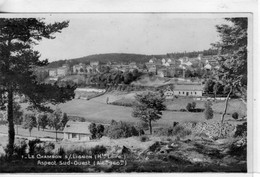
<point>17,65</point>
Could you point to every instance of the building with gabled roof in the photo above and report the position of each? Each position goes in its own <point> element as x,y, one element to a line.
<point>77,131</point>
<point>195,90</point>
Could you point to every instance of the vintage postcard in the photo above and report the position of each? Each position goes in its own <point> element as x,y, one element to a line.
<point>125,92</point>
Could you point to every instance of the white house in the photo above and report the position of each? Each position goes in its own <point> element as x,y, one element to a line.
<point>63,71</point>
<point>188,90</point>
<point>53,72</point>
<point>77,131</point>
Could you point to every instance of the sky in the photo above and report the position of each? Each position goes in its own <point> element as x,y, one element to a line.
<point>147,33</point>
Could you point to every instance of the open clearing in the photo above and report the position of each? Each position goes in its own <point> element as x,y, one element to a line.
<point>97,110</point>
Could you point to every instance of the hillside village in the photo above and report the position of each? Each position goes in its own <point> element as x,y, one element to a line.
<point>191,71</point>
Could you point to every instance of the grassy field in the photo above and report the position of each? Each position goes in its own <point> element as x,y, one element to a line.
<point>234,105</point>
<point>97,110</point>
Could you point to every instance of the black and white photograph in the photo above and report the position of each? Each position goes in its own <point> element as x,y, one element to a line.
<point>124,92</point>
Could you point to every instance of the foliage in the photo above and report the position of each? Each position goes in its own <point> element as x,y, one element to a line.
<point>235,115</point>
<point>93,130</point>
<point>57,120</point>
<point>29,122</point>
<point>19,60</point>
<point>241,130</point>
<point>189,107</point>
<point>32,145</point>
<point>19,149</point>
<point>17,113</point>
<point>141,127</point>
<point>64,120</point>
<point>177,130</point>
<point>144,138</point>
<point>149,107</point>
<point>233,57</point>
<point>208,112</point>
<point>100,130</point>
<point>42,120</point>
<point>121,129</point>
<point>96,130</point>
<point>98,150</point>
<point>208,88</point>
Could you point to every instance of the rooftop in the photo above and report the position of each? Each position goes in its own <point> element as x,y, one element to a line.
<point>77,127</point>
<point>187,87</point>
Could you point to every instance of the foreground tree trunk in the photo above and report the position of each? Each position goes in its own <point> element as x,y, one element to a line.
<point>11,131</point>
<point>225,110</point>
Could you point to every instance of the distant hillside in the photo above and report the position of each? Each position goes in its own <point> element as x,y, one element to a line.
<point>104,58</point>
<point>127,58</point>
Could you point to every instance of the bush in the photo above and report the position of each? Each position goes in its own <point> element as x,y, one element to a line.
<point>93,130</point>
<point>98,150</point>
<point>177,130</point>
<point>61,151</point>
<point>193,105</point>
<point>235,115</point>
<point>144,138</point>
<point>189,107</point>
<point>241,130</point>
<point>20,150</point>
<point>121,130</point>
<point>32,146</point>
<point>208,112</point>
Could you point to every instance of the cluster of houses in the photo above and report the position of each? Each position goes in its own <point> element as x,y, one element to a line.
<point>169,67</point>
<point>80,68</point>
<point>165,67</point>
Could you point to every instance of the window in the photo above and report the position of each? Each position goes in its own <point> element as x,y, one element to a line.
<point>182,92</point>
<point>179,92</point>
<point>195,93</point>
<point>74,135</point>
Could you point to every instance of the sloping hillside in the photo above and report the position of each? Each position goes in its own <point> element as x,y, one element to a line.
<point>104,58</point>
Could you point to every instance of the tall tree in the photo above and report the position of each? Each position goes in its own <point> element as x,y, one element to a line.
<point>30,122</point>
<point>233,57</point>
<point>42,120</point>
<point>64,120</point>
<point>149,107</point>
<point>18,61</point>
<point>18,115</point>
<point>57,124</point>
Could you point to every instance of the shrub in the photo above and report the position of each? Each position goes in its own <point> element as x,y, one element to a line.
<point>121,130</point>
<point>183,110</point>
<point>93,130</point>
<point>193,105</point>
<point>100,130</point>
<point>144,138</point>
<point>241,130</point>
<point>141,126</point>
<point>208,112</point>
<point>235,115</point>
<point>189,107</point>
<point>20,150</point>
<point>32,145</point>
<point>98,150</point>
